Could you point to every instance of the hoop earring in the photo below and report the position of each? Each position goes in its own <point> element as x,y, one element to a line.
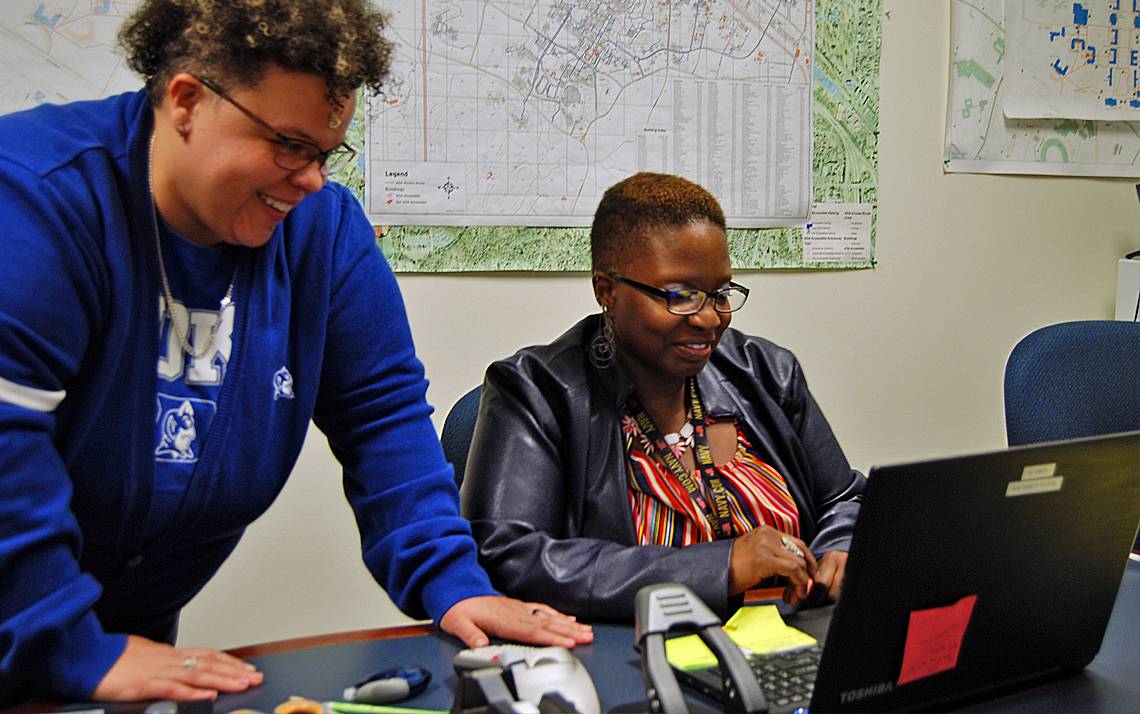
<point>602,346</point>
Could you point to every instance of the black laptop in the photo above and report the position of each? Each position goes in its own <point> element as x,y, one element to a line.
<point>971,574</point>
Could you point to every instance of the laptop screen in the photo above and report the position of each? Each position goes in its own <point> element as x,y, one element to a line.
<point>974,573</point>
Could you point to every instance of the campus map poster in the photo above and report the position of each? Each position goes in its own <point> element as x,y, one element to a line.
<point>845,97</point>
<point>56,51</point>
<point>522,112</point>
<point>1074,60</point>
<point>1044,87</point>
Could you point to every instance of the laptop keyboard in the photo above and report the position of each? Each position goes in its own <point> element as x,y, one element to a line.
<point>787,678</point>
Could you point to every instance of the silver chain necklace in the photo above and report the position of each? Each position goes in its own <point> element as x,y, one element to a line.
<point>227,299</point>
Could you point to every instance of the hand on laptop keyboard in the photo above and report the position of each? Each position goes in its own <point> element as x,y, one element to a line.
<point>828,578</point>
<point>764,552</point>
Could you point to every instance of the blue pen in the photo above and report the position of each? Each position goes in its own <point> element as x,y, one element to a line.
<point>389,685</point>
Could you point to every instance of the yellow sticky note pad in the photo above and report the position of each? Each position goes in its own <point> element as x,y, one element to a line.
<point>762,630</point>
<point>759,629</point>
<point>689,652</point>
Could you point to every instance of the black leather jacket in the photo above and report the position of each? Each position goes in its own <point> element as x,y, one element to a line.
<point>545,486</point>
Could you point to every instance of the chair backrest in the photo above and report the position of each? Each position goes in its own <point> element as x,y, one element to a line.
<point>458,428</point>
<point>1073,379</point>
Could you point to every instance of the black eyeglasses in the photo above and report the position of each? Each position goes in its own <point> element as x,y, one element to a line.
<point>292,153</point>
<point>690,301</point>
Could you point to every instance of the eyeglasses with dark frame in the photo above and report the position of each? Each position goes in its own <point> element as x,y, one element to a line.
<point>292,153</point>
<point>690,301</point>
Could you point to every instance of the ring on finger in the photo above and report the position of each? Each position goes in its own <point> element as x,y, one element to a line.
<point>191,662</point>
<point>791,547</point>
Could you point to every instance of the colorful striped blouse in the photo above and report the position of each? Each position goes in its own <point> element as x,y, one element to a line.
<point>664,514</point>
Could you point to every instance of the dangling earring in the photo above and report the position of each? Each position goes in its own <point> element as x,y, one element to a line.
<point>602,346</point>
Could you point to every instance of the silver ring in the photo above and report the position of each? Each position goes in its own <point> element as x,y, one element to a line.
<point>191,662</point>
<point>791,547</point>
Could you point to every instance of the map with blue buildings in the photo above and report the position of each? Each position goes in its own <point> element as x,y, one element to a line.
<point>1076,60</point>
<point>1044,87</point>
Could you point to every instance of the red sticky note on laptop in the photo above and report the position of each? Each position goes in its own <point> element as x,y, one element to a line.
<point>934,638</point>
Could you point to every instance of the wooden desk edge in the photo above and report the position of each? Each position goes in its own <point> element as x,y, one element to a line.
<point>336,638</point>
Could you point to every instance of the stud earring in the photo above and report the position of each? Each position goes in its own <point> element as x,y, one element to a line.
<point>181,129</point>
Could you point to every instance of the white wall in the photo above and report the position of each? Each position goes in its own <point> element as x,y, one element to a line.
<point>905,359</point>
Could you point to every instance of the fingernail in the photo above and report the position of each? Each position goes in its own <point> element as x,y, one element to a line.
<point>481,642</point>
<point>809,587</point>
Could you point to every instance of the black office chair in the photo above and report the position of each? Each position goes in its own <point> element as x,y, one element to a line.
<point>458,428</point>
<point>1071,380</point>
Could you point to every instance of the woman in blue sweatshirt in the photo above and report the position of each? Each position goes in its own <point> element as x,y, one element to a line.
<point>183,292</point>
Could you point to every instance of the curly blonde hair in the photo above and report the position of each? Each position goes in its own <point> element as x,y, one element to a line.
<point>234,42</point>
<point>632,208</point>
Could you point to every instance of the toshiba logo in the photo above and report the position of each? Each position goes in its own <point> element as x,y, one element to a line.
<point>860,693</point>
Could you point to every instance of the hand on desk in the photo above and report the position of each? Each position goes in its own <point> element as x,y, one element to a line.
<point>476,619</point>
<point>152,670</point>
<point>760,553</point>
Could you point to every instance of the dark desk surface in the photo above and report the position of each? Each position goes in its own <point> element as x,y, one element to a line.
<point>320,668</point>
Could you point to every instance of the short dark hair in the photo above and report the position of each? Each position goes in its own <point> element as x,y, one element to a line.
<point>631,208</point>
<point>234,42</point>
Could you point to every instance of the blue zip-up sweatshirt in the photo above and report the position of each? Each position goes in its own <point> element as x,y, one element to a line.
<point>79,320</point>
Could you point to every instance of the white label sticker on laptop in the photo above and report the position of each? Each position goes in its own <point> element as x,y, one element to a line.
<point>1038,471</point>
<point>1034,485</point>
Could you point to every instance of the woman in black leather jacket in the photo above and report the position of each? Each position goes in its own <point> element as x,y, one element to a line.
<point>653,444</point>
